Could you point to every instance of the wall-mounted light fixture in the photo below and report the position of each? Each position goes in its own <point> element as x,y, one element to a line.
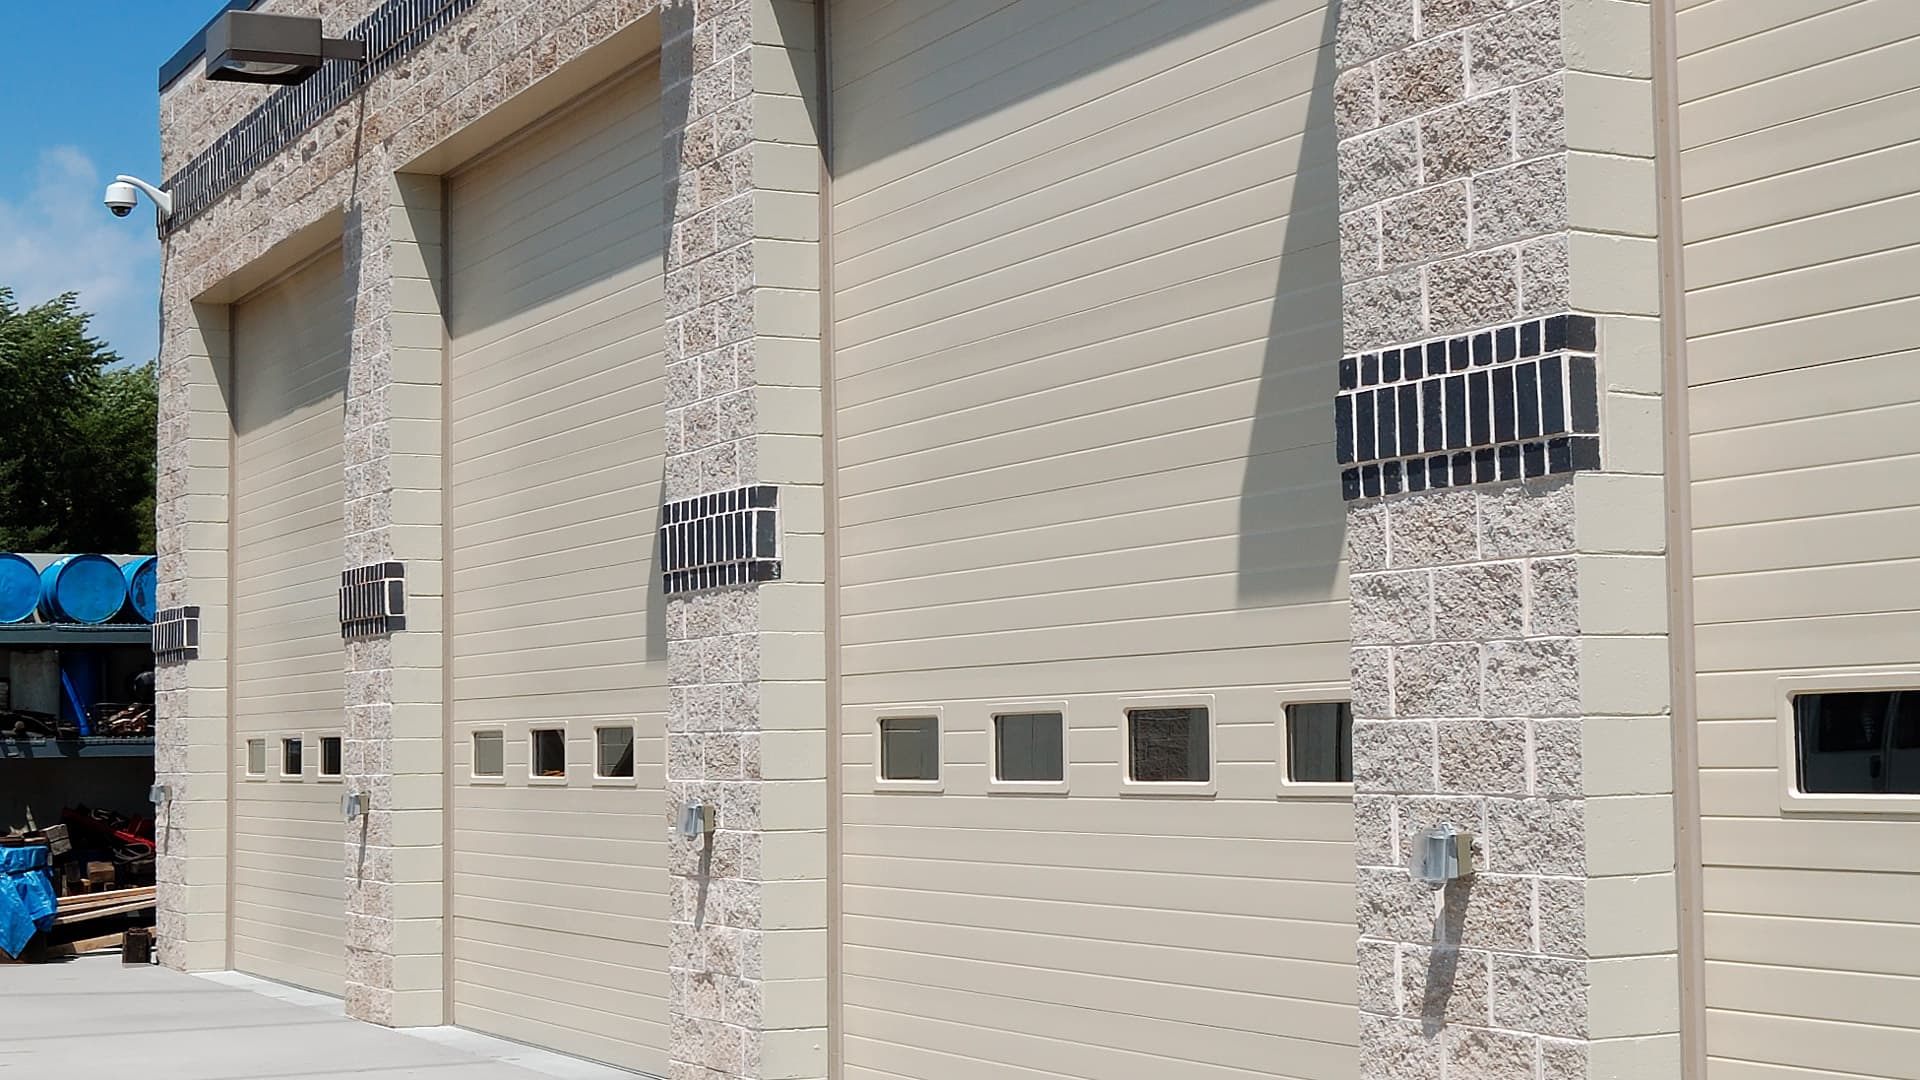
<point>1441,855</point>
<point>696,821</point>
<point>256,47</point>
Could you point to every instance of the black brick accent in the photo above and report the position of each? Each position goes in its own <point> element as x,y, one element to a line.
<point>727,538</point>
<point>394,31</point>
<point>1511,402</point>
<point>176,634</point>
<point>373,600</point>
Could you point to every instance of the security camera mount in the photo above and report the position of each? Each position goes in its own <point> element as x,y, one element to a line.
<point>162,199</point>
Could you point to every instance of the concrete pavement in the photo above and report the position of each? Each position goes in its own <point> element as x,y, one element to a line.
<point>94,1017</point>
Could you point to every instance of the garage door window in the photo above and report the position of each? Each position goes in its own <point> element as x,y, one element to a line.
<point>1169,746</point>
<point>1029,748</point>
<point>910,749</point>
<point>613,753</point>
<point>489,755</point>
<point>548,754</point>
<point>1865,743</point>
<point>1319,742</point>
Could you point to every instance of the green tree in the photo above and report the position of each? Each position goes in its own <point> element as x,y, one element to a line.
<point>76,435</point>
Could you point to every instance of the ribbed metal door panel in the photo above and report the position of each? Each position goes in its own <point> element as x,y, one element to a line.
<point>555,404</point>
<point>289,392</point>
<point>1086,296</point>
<point>1800,165</point>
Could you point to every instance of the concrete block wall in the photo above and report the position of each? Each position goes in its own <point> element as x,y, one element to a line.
<point>1510,660</point>
<point>394,749</point>
<point>747,720</point>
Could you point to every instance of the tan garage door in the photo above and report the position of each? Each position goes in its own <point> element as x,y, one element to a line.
<point>1801,212</point>
<point>560,888</point>
<point>289,393</point>
<point>1086,299</point>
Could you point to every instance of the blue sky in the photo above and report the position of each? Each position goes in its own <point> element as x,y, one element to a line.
<point>79,102</point>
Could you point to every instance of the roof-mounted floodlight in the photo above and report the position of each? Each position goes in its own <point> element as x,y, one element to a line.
<point>256,47</point>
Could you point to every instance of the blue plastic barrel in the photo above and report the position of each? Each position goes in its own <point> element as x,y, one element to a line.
<point>82,589</point>
<point>79,685</point>
<point>140,575</point>
<point>19,588</point>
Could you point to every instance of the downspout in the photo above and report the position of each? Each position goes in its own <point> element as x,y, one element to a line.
<point>1688,884</point>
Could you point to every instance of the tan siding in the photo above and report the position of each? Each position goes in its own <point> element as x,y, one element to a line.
<point>1085,282</point>
<point>1800,168</point>
<point>554,267</point>
<point>289,891</point>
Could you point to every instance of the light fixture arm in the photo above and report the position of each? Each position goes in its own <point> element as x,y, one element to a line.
<point>162,200</point>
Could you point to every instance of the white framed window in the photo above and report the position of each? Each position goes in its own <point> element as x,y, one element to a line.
<point>547,755</point>
<point>1316,743</point>
<point>613,753</point>
<point>1028,744</point>
<point>330,757</point>
<point>1168,746</point>
<point>489,756</point>
<point>909,750</point>
<point>257,759</point>
<point>292,758</point>
<point>1850,743</point>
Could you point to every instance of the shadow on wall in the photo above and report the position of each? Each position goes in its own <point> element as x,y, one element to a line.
<point>1292,518</point>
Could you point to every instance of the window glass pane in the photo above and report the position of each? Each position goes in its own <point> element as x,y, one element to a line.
<point>615,752</point>
<point>1030,747</point>
<point>910,748</point>
<point>256,757</point>
<point>549,752</point>
<point>489,754</point>
<point>1320,743</point>
<point>1168,745</point>
<point>330,755</point>
<point>290,757</point>
<point>1903,754</point>
<point>1849,743</point>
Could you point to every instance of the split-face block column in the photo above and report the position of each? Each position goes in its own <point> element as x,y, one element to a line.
<point>1501,448</point>
<point>746,729</point>
<point>393,752</point>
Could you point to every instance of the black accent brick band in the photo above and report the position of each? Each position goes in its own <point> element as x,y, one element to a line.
<point>727,538</point>
<point>176,634</point>
<point>1508,403</point>
<point>394,30</point>
<point>373,600</point>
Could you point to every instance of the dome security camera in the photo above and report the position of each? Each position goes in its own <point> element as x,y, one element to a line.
<point>124,193</point>
<point>121,197</point>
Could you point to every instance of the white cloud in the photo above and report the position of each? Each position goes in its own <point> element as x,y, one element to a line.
<point>56,237</point>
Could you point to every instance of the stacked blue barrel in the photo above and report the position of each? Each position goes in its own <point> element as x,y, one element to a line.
<point>77,592</point>
<point>86,589</point>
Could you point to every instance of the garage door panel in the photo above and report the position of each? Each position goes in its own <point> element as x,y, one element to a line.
<point>1112,74</point>
<point>288,671</point>
<point>556,451</point>
<point>1060,233</point>
<point>540,318</point>
<point>869,374</point>
<point>596,422</point>
<point>590,382</point>
<point>1113,171</point>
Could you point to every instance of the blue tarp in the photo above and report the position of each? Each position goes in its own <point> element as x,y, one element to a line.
<point>26,896</point>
